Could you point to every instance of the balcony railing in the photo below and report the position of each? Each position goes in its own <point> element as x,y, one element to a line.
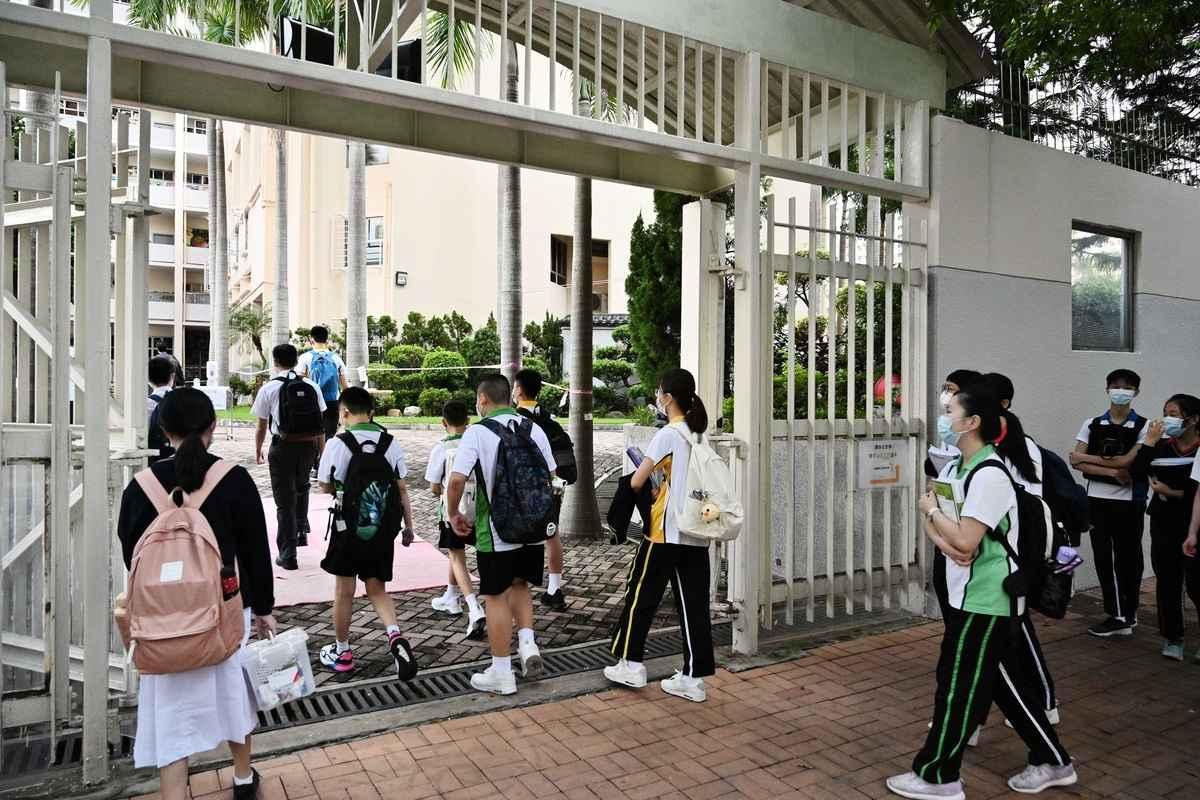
<point>197,257</point>
<point>162,194</point>
<point>162,253</point>
<point>197,307</point>
<point>195,197</point>
<point>161,305</point>
<point>1087,122</point>
<point>162,137</point>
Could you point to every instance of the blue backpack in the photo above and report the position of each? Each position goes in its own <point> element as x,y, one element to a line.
<point>324,373</point>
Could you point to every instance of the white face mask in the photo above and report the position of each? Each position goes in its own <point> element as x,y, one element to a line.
<point>1121,397</point>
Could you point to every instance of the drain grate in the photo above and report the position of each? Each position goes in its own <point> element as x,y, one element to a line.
<point>33,754</point>
<point>352,699</point>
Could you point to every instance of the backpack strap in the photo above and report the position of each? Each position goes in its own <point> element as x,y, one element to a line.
<point>351,442</point>
<point>154,491</point>
<point>215,474</point>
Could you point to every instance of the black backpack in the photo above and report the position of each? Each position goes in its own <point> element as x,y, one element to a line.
<point>299,410</point>
<point>155,438</point>
<point>1039,535</point>
<point>522,498</point>
<point>1066,498</point>
<point>561,446</point>
<point>370,504</point>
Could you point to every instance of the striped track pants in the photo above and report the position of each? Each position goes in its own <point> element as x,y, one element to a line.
<point>685,567</point>
<point>979,664</point>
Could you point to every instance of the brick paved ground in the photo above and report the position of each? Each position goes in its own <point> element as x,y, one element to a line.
<point>831,724</point>
<point>594,578</point>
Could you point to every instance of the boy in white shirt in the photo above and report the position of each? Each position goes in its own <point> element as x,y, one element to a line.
<point>458,582</point>
<point>350,556</point>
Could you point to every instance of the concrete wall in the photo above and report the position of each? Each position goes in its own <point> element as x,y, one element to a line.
<point>1000,285</point>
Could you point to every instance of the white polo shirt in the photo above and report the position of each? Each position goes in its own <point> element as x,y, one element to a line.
<point>335,459</point>
<point>266,402</point>
<point>480,446</point>
<point>1100,489</point>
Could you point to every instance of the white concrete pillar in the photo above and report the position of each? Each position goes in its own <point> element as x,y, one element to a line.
<point>702,316</point>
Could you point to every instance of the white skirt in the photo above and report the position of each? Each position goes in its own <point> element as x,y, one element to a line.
<point>194,711</point>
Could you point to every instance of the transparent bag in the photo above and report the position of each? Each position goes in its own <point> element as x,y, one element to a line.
<point>279,669</point>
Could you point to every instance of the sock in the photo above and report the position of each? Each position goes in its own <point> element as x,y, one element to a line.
<point>555,583</point>
<point>502,664</point>
<point>246,781</point>
<point>343,647</point>
<point>451,591</point>
<point>634,664</point>
<point>393,630</point>
<point>525,637</point>
<point>473,604</point>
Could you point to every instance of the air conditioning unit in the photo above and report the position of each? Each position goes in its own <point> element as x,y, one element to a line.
<point>318,44</point>
<point>408,62</point>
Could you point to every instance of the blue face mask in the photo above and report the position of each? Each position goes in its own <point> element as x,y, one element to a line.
<point>946,432</point>
<point>1172,426</point>
<point>1121,397</point>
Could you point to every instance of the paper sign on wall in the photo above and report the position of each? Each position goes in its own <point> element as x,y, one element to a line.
<point>882,463</point>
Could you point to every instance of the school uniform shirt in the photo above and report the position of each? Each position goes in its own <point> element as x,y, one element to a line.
<point>1099,489</point>
<point>266,402</point>
<point>335,460</point>
<point>155,398</point>
<point>991,500</point>
<point>481,446</point>
<point>1175,467</point>
<point>435,472</point>
<point>304,363</point>
<point>670,451</point>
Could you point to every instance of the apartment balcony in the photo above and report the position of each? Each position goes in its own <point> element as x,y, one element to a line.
<point>196,144</point>
<point>163,195</point>
<point>161,253</point>
<point>197,307</point>
<point>162,137</point>
<point>161,306</point>
<point>195,198</point>
<point>196,257</point>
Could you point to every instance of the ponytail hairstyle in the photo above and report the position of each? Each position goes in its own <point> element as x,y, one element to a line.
<point>187,414</point>
<point>680,384</point>
<point>1014,449</point>
<point>978,400</point>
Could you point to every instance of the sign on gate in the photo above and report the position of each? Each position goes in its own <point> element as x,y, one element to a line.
<point>882,463</point>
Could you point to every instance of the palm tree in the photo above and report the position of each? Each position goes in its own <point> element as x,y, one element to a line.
<point>218,335</point>
<point>356,261</point>
<point>250,324</point>
<point>280,334</point>
<point>509,299</point>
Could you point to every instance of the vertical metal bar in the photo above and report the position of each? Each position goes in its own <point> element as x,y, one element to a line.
<point>718,97</point>
<point>135,288</point>
<point>785,112</point>
<point>553,52</point>
<point>898,142</point>
<point>93,351</point>
<point>425,50</point>
<point>767,265</point>
<point>598,82</point>
<point>304,35</point>
<point>479,44</point>
<point>576,64</point>
<point>237,23</point>
<point>698,93</point>
<point>918,387</point>
<point>503,48</point>
<point>844,102</point>
<point>662,82</point>
<point>5,335</point>
<point>906,408</point>
<point>831,393</point>
<point>888,411</point>
<point>825,130</point>
<point>765,113</point>
<point>641,77</point>
<point>337,32</point>
<point>21,292</point>
<point>529,52</point>
<point>395,35</point>
<point>680,86</point>
<point>789,567</point>
<point>851,363</point>
<point>620,71</point>
<point>814,222</point>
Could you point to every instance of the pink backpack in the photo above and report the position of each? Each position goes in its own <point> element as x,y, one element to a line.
<point>177,617</point>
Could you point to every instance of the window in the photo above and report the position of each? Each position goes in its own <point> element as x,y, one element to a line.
<point>197,125</point>
<point>560,259</point>
<point>374,241</point>
<point>376,154</point>
<point>599,248</point>
<point>1101,289</point>
<point>163,177</point>
<point>162,238</point>
<point>72,108</point>
<point>196,180</point>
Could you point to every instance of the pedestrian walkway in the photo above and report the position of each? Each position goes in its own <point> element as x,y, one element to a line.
<point>831,723</point>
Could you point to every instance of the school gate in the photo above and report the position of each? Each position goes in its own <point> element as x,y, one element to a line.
<point>717,95</point>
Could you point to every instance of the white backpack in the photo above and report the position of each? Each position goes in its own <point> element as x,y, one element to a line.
<point>466,506</point>
<point>712,509</point>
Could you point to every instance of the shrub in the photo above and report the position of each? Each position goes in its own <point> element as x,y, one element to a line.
<point>406,355</point>
<point>549,398</point>
<point>536,363</point>
<point>444,369</point>
<point>380,376</point>
<point>727,415</point>
<point>609,352</point>
<point>239,386</point>
<point>644,415</point>
<point>403,398</point>
<point>431,401</point>
<point>606,400</point>
<point>466,396</point>
<point>611,371</point>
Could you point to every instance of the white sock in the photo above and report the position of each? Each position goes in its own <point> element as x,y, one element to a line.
<point>393,629</point>
<point>525,637</point>
<point>473,604</point>
<point>246,781</point>
<point>634,664</point>
<point>451,591</point>
<point>555,583</point>
<point>343,647</point>
<point>502,664</point>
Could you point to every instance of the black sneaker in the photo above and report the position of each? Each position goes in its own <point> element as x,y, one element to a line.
<point>250,790</point>
<point>1111,627</point>
<point>288,565</point>
<point>402,654</point>
<point>556,601</point>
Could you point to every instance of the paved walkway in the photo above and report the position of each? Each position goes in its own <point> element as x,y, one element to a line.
<point>829,724</point>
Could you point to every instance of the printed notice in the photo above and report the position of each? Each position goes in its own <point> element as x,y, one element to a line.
<point>882,463</point>
<point>172,572</point>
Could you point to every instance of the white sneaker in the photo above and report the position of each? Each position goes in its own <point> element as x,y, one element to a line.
<point>476,626</point>
<point>624,674</point>
<point>913,786</point>
<point>494,682</point>
<point>974,740</point>
<point>1034,779</point>
<point>1051,716</point>
<point>681,685</point>
<point>532,667</point>
<point>447,605</point>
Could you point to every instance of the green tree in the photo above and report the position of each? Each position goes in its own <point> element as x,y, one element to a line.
<point>249,324</point>
<point>446,369</point>
<point>546,342</point>
<point>482,351</point>
<point>654,287</point>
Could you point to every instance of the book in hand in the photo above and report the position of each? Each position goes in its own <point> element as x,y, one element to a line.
<point>949,495</point>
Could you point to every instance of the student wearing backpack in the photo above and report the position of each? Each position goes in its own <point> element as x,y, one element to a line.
<point>1168,459</point>
<point>458,582</point>
<point>666,554</point>
<point>977,665</point>
<point>512,463</point>
<point>161,372</point>
<point>1105,450</point>
<point>527,386</point>
<point>291,409</point>
<point>326,369</point>
<point>365,469</point>
<point>193,710</point>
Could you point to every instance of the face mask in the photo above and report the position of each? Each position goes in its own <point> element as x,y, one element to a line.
<point>946,433</point>
<point>1172,426</point>
<point>1121,397</point>
<point>944,399</point>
